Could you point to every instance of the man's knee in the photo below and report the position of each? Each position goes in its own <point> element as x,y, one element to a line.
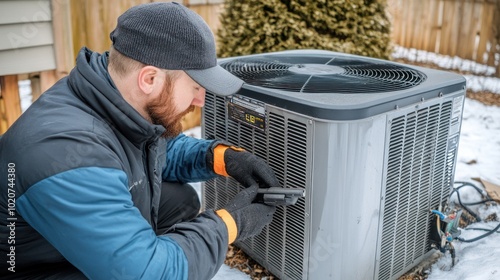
<point>179,202</point>
<point>191,204</point>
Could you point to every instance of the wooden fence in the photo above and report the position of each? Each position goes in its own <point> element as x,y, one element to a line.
<point>464,28</point>
<point>87,23</point>
<point>93,20</point>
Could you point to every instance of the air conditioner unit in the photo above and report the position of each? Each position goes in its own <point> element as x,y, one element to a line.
<point>373,142</point>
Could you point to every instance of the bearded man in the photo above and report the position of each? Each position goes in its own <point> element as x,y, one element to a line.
<point>94,175</point>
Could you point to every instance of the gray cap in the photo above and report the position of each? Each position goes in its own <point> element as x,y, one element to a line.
<point>171,36</point>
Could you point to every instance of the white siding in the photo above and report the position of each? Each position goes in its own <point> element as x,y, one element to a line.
<point>26,37</point>
<point>24,11</point>
<point>27,60</point>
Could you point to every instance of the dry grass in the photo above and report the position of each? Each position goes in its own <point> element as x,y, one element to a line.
<point>236,258</point>
<point>485,97</point>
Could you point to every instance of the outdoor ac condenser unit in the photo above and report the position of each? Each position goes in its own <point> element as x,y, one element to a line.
<point>373,142</point>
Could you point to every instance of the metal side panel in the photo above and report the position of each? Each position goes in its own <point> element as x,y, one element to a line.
<point>347,182</point>
<point>419,168</point>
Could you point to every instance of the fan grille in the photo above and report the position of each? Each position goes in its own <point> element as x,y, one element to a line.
<point>323,74</point>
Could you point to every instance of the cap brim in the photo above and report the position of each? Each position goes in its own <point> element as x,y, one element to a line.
<point>216,80</point>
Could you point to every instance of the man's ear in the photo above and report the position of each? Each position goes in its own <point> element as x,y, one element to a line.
<point>149,79</point>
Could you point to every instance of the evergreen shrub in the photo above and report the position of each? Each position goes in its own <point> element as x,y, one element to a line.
<point>349,26</point>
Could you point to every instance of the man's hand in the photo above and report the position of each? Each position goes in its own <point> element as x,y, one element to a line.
<point>243,218</point>
<point>243,166</point>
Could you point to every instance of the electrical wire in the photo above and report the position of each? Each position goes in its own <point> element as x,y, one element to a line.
<point>452,253</point>
<point>448,236</point>
<point>464,205</point>
<point>479,202</point>
<point>483,229</point>
<point>481,236</point>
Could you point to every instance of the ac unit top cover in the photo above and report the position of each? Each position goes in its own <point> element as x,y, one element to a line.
<point>336,86</point>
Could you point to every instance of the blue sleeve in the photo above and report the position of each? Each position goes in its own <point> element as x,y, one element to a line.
<point>95,226</point>
<point>186,160</point>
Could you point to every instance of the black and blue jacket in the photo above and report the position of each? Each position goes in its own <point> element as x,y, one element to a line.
<point>80,178</point>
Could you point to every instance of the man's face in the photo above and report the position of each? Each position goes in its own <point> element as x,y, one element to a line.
<point>178,97</point>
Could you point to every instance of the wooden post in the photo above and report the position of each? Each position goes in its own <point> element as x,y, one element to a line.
<point>47,79</point>
<point>63,42</point>
<point>36,90</point>
<point>10,95</point>
<point>3,121</point>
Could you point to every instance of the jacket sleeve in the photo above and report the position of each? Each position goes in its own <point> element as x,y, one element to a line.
<point>95,226</point>
<point>186,160</point>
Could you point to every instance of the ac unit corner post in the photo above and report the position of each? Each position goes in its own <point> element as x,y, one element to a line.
<point>373,143</point>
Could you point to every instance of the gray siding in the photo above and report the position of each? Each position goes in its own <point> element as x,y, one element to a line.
<point>26,37</point>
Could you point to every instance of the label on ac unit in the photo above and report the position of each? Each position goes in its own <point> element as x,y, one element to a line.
<point>456,114</point>
<point>247,111</point>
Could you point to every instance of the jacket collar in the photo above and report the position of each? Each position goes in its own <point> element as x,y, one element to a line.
<point>91,82</point>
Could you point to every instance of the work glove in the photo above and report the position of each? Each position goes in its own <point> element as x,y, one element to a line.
<point>244,167</point>
<point>245,218</point>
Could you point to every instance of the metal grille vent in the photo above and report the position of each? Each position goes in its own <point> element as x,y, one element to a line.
<point>282,243</point>
<point>419,174</point>
<point>323,74</point>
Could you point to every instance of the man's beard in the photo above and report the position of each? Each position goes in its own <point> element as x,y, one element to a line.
<point>162,111</point>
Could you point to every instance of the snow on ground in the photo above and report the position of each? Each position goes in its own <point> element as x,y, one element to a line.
<point>479,79</point>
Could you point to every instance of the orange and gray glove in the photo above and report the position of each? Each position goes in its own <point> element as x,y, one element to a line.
<point>245,218</point>
<point>244,167</point>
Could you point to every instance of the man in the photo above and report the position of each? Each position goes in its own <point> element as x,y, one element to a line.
<point>84,172</point>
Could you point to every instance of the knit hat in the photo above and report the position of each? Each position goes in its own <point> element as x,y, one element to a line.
<point>171,36</point>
